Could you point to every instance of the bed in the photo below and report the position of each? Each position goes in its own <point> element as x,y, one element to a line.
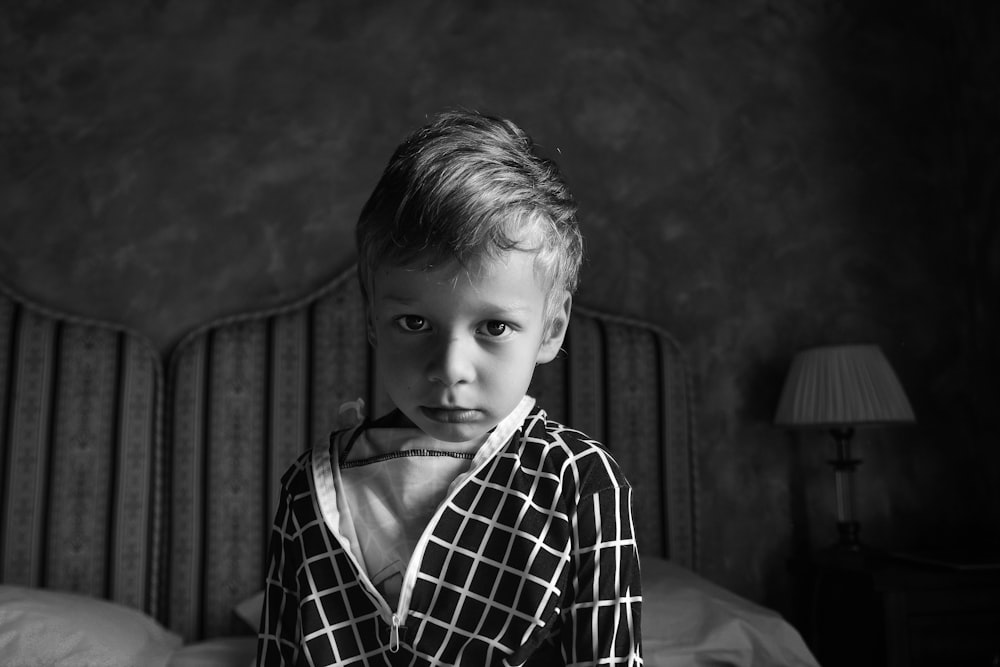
<point>137,489</point>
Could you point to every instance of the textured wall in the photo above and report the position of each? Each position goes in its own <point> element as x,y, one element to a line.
<point>757,176</point>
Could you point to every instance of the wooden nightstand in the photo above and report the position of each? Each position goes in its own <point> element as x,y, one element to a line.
<point>873,609</point>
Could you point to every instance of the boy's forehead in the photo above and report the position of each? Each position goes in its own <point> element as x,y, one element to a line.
<point>512,265</point>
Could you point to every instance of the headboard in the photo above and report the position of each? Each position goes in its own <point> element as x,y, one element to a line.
<point>248,393</point>
<point>162,499</point>
<point>81,472</point>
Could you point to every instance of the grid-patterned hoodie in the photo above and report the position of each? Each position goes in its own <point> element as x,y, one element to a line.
<point>530,560</point>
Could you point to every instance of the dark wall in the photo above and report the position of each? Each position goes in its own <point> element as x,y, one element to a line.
<point>755,176</point>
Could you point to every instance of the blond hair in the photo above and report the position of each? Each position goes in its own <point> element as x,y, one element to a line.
<point>468,187</point>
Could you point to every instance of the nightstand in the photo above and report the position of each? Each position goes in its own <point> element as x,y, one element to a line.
<point>868,608</point>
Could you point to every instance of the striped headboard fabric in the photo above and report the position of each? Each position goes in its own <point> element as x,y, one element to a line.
<point>80,456</point>
<point>248,393</point>
<point>162,499</point>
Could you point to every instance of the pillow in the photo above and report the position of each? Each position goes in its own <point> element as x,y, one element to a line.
<point>687,620</point>
<point>44,627</point>
<point>217,652</point>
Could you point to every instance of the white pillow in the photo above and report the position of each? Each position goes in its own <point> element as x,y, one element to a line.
<point>687,620</point>
<point>217,652</point>
<point>44,627</point>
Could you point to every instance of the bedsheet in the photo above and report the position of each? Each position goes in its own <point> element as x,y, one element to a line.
<point>687,621</point>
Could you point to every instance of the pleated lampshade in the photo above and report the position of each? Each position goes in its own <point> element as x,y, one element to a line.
<point>842,385</point>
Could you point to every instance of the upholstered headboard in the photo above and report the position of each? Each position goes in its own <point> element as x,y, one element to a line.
<point>162,500</point>
<point>81,472</point>
<point>248,393</point>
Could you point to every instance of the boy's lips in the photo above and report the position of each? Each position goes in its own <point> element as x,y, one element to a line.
<point>450,415</point>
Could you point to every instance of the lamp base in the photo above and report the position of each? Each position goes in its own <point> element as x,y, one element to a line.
<point>843,469</point>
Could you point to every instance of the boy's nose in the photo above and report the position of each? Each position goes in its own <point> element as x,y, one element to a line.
<point>451,363</point>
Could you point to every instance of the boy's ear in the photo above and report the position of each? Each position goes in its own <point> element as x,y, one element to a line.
<point>555,331</point>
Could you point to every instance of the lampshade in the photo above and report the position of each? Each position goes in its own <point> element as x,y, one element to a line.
<point>842,386</point>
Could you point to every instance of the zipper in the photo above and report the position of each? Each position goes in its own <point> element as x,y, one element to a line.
<point>503,435</point>
<point>393,618</point>
<point>394,635</point>
<point>412,568</point>
<point>396,619</point>
<point>493,444</point>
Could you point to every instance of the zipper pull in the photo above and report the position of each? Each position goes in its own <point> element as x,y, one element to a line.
<point>394,635</point>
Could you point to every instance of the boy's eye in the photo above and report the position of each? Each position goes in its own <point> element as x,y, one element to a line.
<point>411,322</point>
<point>495,328</point>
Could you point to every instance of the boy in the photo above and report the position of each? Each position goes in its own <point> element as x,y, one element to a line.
<point>463,528</point>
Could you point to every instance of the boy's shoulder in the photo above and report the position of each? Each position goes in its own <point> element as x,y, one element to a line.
<point>546,444</point>
<point>298,474</point>
<point>539,427</point>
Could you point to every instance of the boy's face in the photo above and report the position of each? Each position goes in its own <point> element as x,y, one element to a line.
<point>456,349</point>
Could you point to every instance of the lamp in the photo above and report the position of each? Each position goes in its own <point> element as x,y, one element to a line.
<point>840,388</point>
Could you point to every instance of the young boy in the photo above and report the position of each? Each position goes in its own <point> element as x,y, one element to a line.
<point>463,528</point>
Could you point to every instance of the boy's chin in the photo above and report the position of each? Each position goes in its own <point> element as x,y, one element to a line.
<point>455,434</point>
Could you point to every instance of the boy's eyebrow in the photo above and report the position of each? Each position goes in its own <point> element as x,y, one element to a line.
<point>508,308</point>
<point>505,311</point>
<point>397,299</point>
<point>484,305</point>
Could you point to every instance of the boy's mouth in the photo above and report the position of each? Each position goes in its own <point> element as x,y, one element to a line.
<point>450,415</point>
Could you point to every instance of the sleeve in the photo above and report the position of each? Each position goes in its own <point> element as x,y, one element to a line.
<point>278,639</point>
<point>601,622</point>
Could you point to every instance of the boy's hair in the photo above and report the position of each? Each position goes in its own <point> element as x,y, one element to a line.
<point>469,186</point>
